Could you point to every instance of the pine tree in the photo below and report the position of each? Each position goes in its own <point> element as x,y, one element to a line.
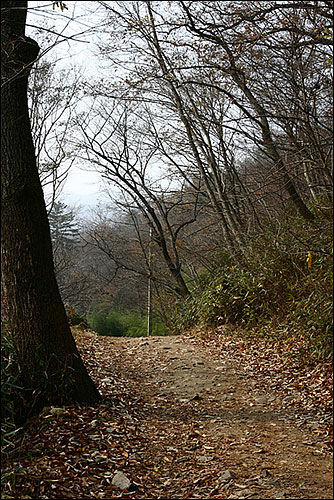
<point>63,226</point>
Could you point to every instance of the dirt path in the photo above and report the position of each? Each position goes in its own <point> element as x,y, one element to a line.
<point>179,420</point>
<point>205,420</point>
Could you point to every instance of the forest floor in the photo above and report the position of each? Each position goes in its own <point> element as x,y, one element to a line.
<point>183,417</point>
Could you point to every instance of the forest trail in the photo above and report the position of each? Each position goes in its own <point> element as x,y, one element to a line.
<point>180,419</point>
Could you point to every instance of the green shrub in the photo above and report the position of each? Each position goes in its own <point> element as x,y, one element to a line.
<point>282,287</point>
<point>232,296</point>
<point>311,309</point>
<point>123,323</point>
<point>106,324</point>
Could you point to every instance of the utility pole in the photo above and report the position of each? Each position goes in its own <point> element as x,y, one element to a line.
<point>149,288</point>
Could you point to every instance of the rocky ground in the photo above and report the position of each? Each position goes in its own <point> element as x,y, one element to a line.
<point>183,418</point>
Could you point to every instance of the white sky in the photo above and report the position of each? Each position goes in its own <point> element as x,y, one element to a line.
<point>82,188</point>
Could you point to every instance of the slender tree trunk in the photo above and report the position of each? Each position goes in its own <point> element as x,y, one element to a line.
<point>51,368</point>
<point>230,241</point>
<point>239,78</point>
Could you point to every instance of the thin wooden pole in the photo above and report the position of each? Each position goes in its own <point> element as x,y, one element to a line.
<point>149,288</point>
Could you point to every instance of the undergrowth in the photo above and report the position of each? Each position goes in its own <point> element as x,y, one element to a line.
<point>12,398</point>
<point>126,323</point>
<point>19,403</point>
<point>282,289</point>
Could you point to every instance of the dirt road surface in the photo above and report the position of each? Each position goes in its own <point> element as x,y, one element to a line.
<point>211,430</point>
<point>180,418</point>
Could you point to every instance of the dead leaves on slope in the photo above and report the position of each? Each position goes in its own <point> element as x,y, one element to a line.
<point>306,389</point>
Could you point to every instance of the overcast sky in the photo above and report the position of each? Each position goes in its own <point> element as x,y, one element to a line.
<point>82,187</point>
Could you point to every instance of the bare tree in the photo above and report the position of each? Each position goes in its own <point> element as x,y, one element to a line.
<point>53,96</point>
<point>116,149</point>
<point>229,48</point>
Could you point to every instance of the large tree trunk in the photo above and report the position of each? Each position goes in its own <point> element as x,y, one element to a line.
<point>51,368</point>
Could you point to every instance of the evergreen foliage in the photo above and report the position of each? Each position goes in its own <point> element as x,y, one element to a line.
<point>63,226</point>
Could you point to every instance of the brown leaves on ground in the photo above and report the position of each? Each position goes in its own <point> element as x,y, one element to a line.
<point>182,418</point>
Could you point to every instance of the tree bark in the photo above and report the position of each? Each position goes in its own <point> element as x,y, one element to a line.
<point>51,368</point>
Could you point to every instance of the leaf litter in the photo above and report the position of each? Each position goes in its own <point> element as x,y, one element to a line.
<point>182,417</point>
